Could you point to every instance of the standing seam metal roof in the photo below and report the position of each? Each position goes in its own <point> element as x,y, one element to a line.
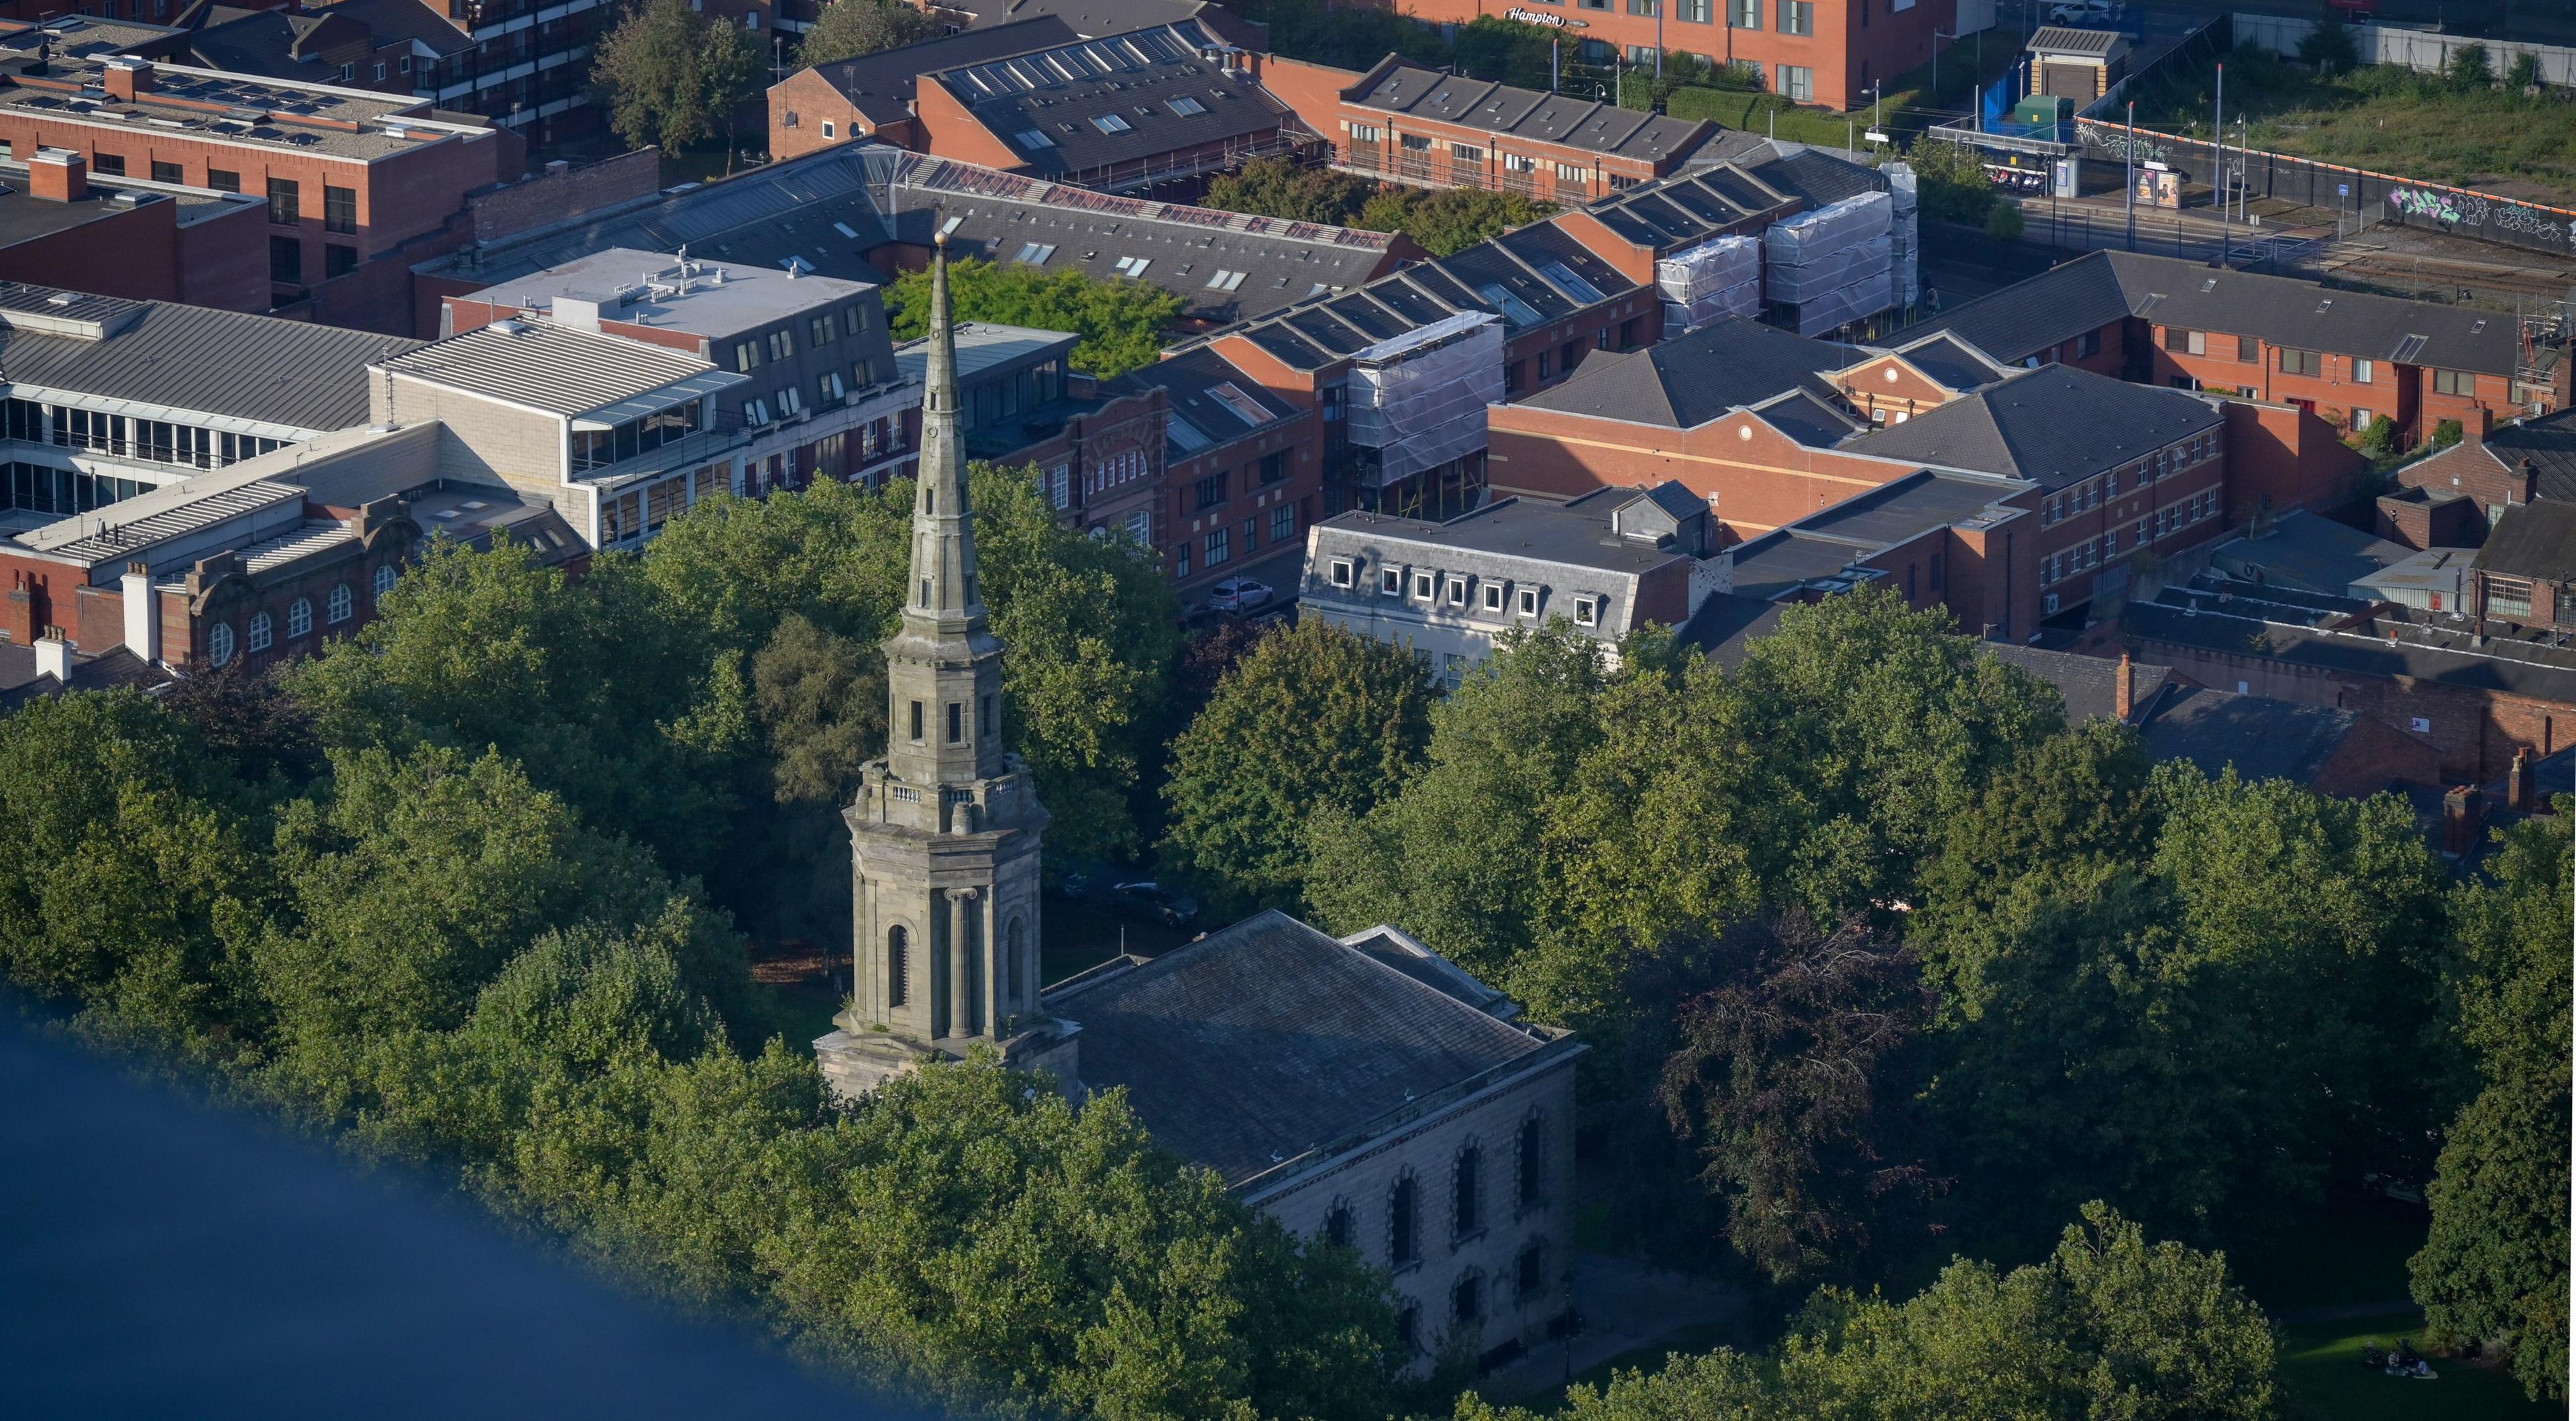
<point>228,363</point>
<point>550,367</point>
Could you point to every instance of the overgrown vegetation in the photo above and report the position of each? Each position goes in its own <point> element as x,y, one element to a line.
<point>847,29</point>
<point>1122,321</point>
<point>2460,127</point>
<point>1445,221</point>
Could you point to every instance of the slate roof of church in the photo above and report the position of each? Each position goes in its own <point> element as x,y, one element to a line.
<point>1269,1040</point>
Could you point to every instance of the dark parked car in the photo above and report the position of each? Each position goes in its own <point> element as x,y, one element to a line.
<point>1149,899</point>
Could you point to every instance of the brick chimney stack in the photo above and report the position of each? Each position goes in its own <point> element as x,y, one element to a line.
<point>128,76</point>
<point>2124,690</point>
<point>2517,782</point>
<point>2478,424</point>
<point>57,175</point>
<point>2461,810</point>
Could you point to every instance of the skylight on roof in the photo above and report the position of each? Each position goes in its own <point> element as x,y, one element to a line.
<point>1514,309</point>
<point>1110,123</point>
<point>949,227</point>
<point>1245,407</point>
<point>1133,266</point>
<point>1570,283</point>
<point>1035,253</point>
<point>1187,435</point>
<point>1225,280</point>
<point>1185,106</point>
<point>1032,140</point>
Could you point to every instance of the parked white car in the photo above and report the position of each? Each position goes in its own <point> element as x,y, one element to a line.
<point>1238,594</point>
<point>2084,12</point>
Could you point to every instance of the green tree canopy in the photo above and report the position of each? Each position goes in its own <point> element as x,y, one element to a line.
<point>1451,219</point>
<point>2107,1326</point>
<point>1273,187</point>
<point>2495,1268</point>
<point>1312,717</point>
<point>667,75</point>
<point>1121,321</point>
<point>847,29</point>
<point>1091,623</point>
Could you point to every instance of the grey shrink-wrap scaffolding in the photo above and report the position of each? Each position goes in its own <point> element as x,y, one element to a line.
<point>1710,282</point>
<point>1832,263</point>
<point>1420,398</point>
<point>1905,229</point>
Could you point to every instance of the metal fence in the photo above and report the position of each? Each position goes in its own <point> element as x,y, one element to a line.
<point>2426,51</point>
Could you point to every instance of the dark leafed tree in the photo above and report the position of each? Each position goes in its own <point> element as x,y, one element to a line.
<point>1793,1078</point>
<point>848,29</point>
<point>669,76</point>
<point>246,717</point>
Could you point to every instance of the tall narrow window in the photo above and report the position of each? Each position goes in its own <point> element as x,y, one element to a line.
<point>1338,1226</point>
<point>898,973</point>
<point>916,720</point>
<point>987,717</point>
<point>956,722</point>
<point>1015,942</point>
<point>1464,1192</point>
<point>1533,1146</point>
<point>1401,1245</point>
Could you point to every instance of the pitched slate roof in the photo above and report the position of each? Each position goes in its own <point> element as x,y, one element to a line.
<point>1818,176</point>
<point>2026,318</point>
<point>2422,651</point>
<point>1689,380</point>
<point>290,373</point>
<point>2055,425</point>
<point>1689,208</point>
<point>881,85</point>
<point>2549,442</point>
<point>1267,1040</point>
<point>1394,86</point>
<point>2533,540</point>
<point>1126,97</point>
<point>1228,266</point>
<point>2088,685</point>
<point>1212,403</point>
<point>106,670</point>
<point>1094,18</point>
<point>1812,552</point>
<point>2263,738</point>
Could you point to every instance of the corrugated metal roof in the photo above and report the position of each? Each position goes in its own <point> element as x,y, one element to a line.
<point>551,367</point>
<point>291,373</point>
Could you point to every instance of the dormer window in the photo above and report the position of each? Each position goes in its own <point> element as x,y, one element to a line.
<point>1342,572</point>
<point>1529,601</point>
<point>1457,592</point>
<point>1493,597</point>
<point>1587,611</point>
<point>1422,587</point>
<point>1390,582</point>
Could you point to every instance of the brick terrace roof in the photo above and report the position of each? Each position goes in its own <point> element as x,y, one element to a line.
<point>2055,425</point>
<point>1396,87</point>
<point>1098,103</point>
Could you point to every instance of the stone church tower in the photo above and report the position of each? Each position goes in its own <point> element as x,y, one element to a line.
<point>944,833</point>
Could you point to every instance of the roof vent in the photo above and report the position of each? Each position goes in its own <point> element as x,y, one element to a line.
<point>507,328</point>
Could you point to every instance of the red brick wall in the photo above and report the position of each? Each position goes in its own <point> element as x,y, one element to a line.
<point>808,99</point>
<point>2280,457</point>
<point>130,252</point>
<point>949,131</point>
<point>223,261</point>
<point>555,197</point>
<point>2468,468</point>
<point>2421,523</point>
<point>1893,384</point>
<point>2472,732</point>
<point>1760,483</point>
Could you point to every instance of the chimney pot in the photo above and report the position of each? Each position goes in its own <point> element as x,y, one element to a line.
<point>2517,782</point>
<point>54,657</point>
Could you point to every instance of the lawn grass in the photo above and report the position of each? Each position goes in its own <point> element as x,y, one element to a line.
<point>2322,1379</point>
<point>2386,119</point>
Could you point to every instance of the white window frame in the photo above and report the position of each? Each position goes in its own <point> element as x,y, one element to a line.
<point>1343,572</point>
<point>1457,592</point>
<point>1426,588</point>
<point>1390,581</point>
<point>1587,611</point>
<point>1528,602</point>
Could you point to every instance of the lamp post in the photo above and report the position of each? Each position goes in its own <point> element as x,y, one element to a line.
<point>2129,174</point>
<point>2218,169</point>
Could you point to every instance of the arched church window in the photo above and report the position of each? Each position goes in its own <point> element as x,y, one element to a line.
<point>898,968</point>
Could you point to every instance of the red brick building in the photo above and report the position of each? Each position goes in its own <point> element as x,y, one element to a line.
<point>2494,470</point>
<point>872,96</point>
<point>1825,52</point>
<point>351,179</point>
<point>143,242</point>
<point>1408,124</point>
<point>2346,357</point>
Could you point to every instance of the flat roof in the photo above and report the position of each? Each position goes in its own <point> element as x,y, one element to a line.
<point>554,368</point>
<point>69,87</point>
<point>706,297</point>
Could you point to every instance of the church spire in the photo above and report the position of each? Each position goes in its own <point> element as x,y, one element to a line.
<point>944,589</point>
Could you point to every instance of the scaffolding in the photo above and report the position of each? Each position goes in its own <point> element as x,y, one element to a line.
<point>1905,234</point>
<point>1832,266</point>
<point>1419,399</point>
<point>1710,282</point>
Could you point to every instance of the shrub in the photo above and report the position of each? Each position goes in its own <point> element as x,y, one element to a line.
<point>2469,69</point>
<point>2380,437</point>
<point>2330,46</point>
<point>2446,434</point>
<point>2003,222</point>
